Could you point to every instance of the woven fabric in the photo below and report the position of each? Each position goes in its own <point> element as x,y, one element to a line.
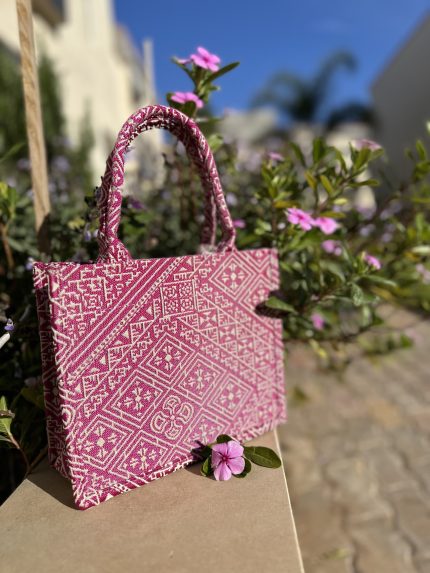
<point>143,360</point>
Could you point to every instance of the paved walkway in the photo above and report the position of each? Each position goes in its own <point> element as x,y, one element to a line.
<point>357,456</point>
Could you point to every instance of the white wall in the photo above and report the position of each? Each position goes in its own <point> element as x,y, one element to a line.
<point>99,70</point>
<point>402,99</point>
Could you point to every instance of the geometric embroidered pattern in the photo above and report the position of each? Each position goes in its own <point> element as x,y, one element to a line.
<point>144,359</point>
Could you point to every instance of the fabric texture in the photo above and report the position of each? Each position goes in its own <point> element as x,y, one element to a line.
<point>144,360</point>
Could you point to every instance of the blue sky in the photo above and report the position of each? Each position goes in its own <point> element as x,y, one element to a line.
<point>270,36</point>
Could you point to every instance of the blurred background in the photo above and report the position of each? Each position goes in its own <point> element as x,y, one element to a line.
<point>356,447</point>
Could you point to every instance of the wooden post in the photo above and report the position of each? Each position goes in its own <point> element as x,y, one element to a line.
<point>33,112</point>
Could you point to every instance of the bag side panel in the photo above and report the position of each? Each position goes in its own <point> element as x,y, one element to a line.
<point>54,426</point>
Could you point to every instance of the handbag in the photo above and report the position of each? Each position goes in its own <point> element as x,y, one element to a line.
<point>144,360</point>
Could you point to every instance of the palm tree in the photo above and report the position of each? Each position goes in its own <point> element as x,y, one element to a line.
<point>304,100</point>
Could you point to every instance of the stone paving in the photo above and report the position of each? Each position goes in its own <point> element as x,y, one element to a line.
<point>357,457</point>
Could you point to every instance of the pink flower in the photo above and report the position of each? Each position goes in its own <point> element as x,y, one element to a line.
<point>239,223</point>
<point>183,97</point>
<point>318,321</point>
<point>183,61</point>
<point>227,460</point>
<point>275,156</point>
<point>372,261</point>
<point>206,60</point>
<point>367,144</point>
<point>332,247</point>
<point>298,217</point>
<point>326,224</point>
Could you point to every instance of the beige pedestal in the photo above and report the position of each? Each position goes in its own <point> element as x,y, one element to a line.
<point>181,523</point>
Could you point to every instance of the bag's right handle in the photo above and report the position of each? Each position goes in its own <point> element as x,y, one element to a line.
<point>187,131</point>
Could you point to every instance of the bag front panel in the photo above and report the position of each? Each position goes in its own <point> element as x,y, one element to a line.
<point>156,356</point>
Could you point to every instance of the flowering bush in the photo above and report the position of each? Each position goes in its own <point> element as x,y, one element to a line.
<point>338,262</point>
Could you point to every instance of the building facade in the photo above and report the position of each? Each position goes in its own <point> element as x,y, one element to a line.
<point>401,95</point>
<point>103,76</point>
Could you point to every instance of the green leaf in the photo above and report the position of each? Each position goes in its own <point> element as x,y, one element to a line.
<point>246,470</point>
<point>380,280</point>
<point>357,296</point>
<point>298,153</point>
<point>262,456</point>
<point>328,186</point>
<point>184,67</point>
<point>221,72</point>
<point>334,269</point>
<point>312,182</point>
<point>223,438</point>
<point>362,158</point>
<point>215,141</point>
<point>206,468</point>
<point>333,214</point>
<point>422,152</point>
<point>12,151</point>
<point>318,349</point>
<point>317,149</point>
<point>278,304</point>
<point>35,396</point>
<point>282,204</point>
<point>421,250</point>
<point>203,452</point>
<point>370,182</point>
<point>5,418</point>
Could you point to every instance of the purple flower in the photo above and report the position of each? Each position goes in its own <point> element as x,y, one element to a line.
<point>33,381</point>
<point>23,164</point>
<point>29,264</point>
<point>318,321</point>
<point>231,199</point>
<point>302,218</point>
<point>134,203</point>
<point>227,460</point>
<point>332,247</point>
<point>365,212</point>
<point>206,60</point>
<point>61,163</point>
<point>326,225</point>
<point>386,237</point>
<point>9,325</point>
<point>372,261</point>
<point>276,157</point>
<point>184,97</point>
<point>87,234</point>
<point>367,144</point>
<point>239,223</point>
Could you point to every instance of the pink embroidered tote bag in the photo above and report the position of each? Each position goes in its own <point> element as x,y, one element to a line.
<point>145,359</point>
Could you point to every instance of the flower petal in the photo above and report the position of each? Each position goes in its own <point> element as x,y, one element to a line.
<point>222,472</point>
<point>236,465</point>
<point>234,449</point>
<point>216,459</point>
<point>203,52</point>
<point>221,448</point>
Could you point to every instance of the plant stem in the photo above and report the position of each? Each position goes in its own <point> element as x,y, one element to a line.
<point>24,455</point>
<point>6,246</point>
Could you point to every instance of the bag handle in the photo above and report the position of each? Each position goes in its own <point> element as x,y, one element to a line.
<point>109,195</point>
